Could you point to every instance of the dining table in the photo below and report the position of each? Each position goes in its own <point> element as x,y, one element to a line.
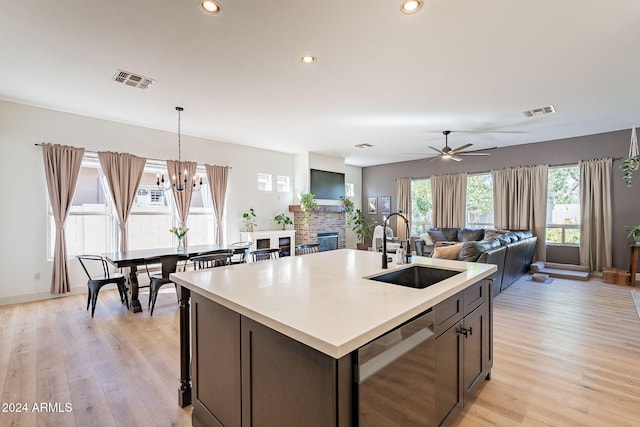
<point>134,258</point>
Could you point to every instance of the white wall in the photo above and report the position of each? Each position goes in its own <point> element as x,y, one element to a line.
<point>353,175</point>
<point>23,215</point>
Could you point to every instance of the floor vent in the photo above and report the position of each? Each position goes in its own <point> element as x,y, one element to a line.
<point>539,111</point>
<point>132,80</point>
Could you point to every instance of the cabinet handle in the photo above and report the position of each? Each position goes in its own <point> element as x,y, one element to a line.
<point>463,331</point>
<point>470,331</point>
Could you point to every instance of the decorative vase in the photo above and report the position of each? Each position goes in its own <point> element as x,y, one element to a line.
<point>180,247</point>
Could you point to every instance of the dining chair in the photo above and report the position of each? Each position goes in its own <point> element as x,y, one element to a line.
<point>97,281</point>
<point>169,264</point>
<point>241,258</point>
<point>307,248</point>
<point>211,260</point>
<point>265,254</point>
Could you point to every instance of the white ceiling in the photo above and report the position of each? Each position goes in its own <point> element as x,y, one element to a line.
<point>391,80</point>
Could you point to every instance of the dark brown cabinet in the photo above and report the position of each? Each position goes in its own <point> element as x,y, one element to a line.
<point>246,374</point>
<point>464,355</point>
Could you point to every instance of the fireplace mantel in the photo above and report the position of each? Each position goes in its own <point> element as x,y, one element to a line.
<point>320,208</point>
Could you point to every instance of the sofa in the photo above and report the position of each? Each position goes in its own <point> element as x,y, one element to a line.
<point>511,250</point>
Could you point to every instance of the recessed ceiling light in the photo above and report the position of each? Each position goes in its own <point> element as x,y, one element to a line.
<point>363,145</point>
<point>410,6</point>
<point>210,7</point>
<point>308,59</point>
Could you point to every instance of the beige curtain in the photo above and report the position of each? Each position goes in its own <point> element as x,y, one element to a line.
<point>595,213</point>
<point>182,198</point>
<point>123,173</point>
<point>520,201</point>
<point>61,168</point>
<point>403,191</point>
<point>218,177</point>
<point>449,194</point>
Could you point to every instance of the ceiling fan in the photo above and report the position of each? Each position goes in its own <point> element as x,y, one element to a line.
<point>454,153</point>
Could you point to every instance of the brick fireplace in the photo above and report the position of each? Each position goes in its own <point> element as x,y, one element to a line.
<point>324,219</point>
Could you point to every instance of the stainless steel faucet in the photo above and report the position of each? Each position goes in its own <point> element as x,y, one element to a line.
<point>384,238</point>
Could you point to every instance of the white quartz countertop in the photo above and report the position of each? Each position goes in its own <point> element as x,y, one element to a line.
<point>324,300</point>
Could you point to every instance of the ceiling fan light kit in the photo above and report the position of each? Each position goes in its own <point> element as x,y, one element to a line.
<point>453,153</point>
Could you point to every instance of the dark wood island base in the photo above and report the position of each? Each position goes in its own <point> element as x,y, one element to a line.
<point>247,374</point>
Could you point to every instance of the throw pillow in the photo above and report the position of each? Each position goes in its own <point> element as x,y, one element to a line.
<point>447,252</point>
<point>426,238</point>
<point>437,236</point>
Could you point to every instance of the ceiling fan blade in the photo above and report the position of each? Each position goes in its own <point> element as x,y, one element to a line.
<point>479,150</point>
<point>456,158</point>
<point>473,154</point>
<point>459,149</point>
<point>436,150</point>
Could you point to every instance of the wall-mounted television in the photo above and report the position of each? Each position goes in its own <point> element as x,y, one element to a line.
<point>327,185</point>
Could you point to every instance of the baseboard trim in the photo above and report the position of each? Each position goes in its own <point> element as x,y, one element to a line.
<point>41,296</point>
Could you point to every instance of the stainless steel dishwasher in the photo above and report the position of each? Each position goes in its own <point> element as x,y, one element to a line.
<point>395,376</point>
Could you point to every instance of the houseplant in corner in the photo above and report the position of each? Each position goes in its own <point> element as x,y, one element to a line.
<point>634,231</point>
<point>362,227</point>
<point>282,220</point>
<point>359,224</point>
<point>308,203</point>
<point>249,219</point>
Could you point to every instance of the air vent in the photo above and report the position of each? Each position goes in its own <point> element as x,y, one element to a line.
<point>363,145</point>
<point>132,80</point>
<point>539,111</point>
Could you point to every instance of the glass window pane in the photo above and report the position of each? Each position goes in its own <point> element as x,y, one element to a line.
<point>480,200</point>
<point>283,183</point>
<point>563,205</point>
<point>152,214</point>
<point>421,206</point>
<point>349,190</point>
<point>264,182</point>
<point>89,228</point>
<point>201,229</point>
<point>145,231</point>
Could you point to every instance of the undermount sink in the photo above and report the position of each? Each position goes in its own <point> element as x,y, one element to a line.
<point>416,276</point>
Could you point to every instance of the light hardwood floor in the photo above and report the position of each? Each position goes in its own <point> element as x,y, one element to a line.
<point>566,353</point>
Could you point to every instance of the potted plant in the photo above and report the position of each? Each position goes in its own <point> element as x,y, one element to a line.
<point>628,167</point>
<point>634,231</point>
<point>249,219</point>
<point>282,220</point>
<point>308,203</point>
<point>360,225</point>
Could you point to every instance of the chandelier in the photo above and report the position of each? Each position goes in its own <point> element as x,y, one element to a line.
<point>181,182</point>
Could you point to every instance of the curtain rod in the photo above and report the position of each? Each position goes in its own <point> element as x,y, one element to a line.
<point>95,152</point>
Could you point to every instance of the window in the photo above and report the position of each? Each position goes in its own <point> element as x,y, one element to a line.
<point>283,184</point>
<point>201,220</point>
<point>421,206</point>
<point>90,225</point>
<point>563,206</point>
<point>151,216</point>
<point>349,190</point>
<point>264,182</point>
<point>479,201</point>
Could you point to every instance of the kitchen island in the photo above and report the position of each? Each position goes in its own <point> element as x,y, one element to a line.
<point>275,342</point>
